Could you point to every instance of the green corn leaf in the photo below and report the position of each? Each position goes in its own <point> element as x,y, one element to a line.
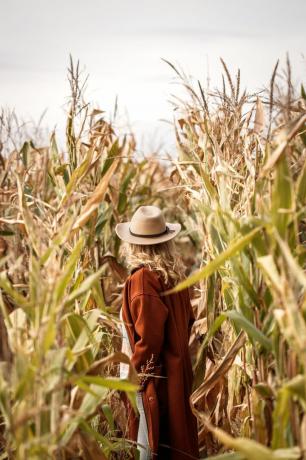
<point>68,270</point>
<point>233,248</point>
<point>282,196</point>
<point>297,387</point>
<point>85,285</point>
<point>77,174</point>
<point>108,415</point>
<point>301,186</point>
<point>111,383</point>
<point>113,152</point>
<point>19,299</point>
<point>229,456</point>
<point>251,330</point>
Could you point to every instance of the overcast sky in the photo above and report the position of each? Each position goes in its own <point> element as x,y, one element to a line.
<point>121,42</point>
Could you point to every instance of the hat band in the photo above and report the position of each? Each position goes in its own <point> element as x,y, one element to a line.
<point>149,236</point>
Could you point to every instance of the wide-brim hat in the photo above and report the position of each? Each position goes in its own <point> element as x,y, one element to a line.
<point>147,226</point>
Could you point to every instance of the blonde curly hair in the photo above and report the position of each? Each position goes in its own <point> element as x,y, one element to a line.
<point>162,257</point>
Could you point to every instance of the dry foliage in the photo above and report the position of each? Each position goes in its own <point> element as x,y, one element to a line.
<point>238,187</point>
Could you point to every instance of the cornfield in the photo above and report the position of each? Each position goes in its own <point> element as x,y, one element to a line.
<point>237,184</point>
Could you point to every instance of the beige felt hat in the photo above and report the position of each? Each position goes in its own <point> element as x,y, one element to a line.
<point>147,226</point>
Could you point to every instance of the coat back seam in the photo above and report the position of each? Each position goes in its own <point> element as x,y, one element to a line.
<point>144,293</point>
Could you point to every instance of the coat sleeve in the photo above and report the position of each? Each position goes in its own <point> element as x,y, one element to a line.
<point>149,315</point>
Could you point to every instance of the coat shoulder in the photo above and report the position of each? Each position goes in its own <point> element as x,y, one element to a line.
<point>144,281</point>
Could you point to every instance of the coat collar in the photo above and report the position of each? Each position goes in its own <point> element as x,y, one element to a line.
<point>136,268</point>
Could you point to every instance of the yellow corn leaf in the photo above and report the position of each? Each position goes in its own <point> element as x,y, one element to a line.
<point>96,198</point>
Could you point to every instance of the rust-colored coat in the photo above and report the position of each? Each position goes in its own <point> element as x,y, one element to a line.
<point>159,328</point>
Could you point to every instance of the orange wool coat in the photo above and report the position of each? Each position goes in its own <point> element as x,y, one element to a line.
<point>159,329</point>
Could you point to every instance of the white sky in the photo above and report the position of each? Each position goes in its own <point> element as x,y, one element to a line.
<point>121,42</point>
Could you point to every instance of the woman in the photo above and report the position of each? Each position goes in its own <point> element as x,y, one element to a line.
<point>156,331</point>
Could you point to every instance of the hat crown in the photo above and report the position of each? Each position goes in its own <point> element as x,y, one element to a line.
<point>148,220</point>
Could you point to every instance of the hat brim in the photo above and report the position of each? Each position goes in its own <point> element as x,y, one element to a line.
<point>123,231</point>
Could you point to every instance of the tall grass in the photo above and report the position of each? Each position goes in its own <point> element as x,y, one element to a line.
<point>238,185</point>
